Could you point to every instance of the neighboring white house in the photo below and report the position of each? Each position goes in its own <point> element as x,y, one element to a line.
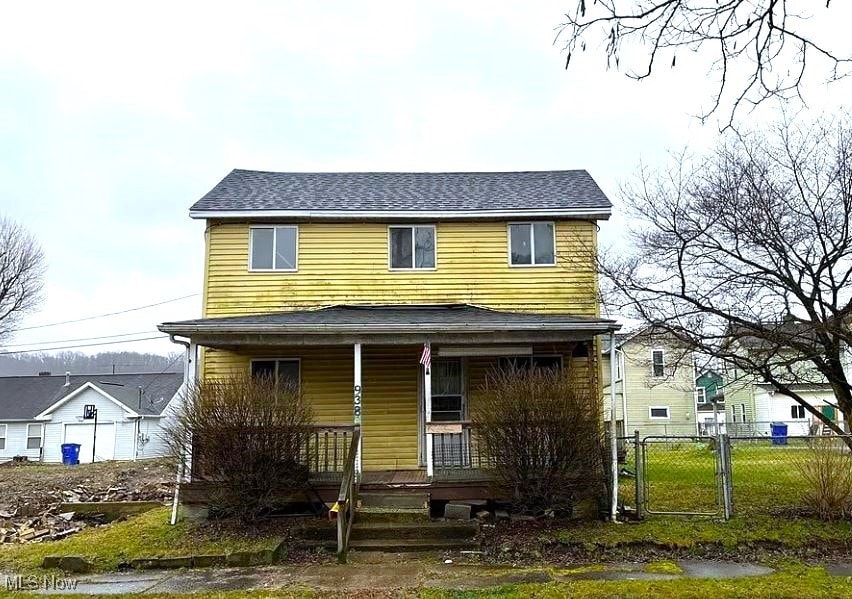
<point>40,413</point>
<point>772,406</point>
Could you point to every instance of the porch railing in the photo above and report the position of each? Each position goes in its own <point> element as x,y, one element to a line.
<point>346,498</point>
<point>456,451</point>
<point>324,453</point>
<point>327,451</point>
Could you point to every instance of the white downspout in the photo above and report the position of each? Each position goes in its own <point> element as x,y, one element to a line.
<point>623,362</point>
<point>189,374</point>
<point>612,428</point>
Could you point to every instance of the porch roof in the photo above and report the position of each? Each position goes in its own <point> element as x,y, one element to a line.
<point>388,324</point>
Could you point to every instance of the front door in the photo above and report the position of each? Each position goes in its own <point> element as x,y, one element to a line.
<point>448,405</point>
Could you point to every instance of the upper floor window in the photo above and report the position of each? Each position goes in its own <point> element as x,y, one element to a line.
<point>658,364</point>
<point>532,244</point>
<point>411,247</point>
<point>274,248</point>
<point>701,395</point>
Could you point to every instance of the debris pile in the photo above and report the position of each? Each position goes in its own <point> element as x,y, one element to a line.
<point>37,510</point>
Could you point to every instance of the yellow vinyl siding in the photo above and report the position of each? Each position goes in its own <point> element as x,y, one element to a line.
<point>389,401</point>
<point>348,263</point>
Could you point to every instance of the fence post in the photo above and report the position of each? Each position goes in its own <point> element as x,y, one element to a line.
<point>726,481</point>
<point>639,459</point>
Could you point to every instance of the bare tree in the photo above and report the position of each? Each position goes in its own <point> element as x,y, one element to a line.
<point>22,270</point>
<point>745,255</point>
<point>761,48</point>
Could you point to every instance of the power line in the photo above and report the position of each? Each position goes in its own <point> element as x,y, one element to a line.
<point>148,332</point>
<point>29,351</point>
<point>53,324</point>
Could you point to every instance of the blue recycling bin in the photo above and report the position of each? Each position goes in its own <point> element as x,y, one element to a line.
<point>70,454</point>
<point>779,433</point>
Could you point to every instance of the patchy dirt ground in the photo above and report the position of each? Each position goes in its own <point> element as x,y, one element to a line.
<point>31,493</point>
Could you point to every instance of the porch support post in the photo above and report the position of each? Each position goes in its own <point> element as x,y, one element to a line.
<point>356,403</point>
<point>613,441</point>
<point>427,398</point>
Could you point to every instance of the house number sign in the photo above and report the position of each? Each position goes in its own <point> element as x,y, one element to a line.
<point>357,402</point>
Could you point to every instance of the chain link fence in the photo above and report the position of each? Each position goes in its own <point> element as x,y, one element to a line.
<point>721,476</point>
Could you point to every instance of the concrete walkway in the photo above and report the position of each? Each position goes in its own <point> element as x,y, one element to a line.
<point>385,572</point>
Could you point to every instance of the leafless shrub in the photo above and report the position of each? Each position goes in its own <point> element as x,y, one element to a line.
<point>248,436</point>
<point>542,436</point>
<point>826,467</point>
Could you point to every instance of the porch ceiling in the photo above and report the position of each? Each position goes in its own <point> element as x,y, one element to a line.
<point>388,325</point>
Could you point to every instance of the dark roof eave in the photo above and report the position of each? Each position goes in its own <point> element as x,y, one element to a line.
<point>602,213</point>
<point>596,327</point>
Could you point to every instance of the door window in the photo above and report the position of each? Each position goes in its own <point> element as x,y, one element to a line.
<point>447,391</point>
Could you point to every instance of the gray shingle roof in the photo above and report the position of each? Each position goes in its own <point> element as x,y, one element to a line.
<point>344,193</point>
<point>24,397</point>
<point>387,317</point>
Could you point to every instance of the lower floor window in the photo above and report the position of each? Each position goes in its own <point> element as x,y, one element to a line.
<point>284,372</point>
<point>34,436</point>
<point>2,436</point>
<point>659,412</point>
<point>797,411</point>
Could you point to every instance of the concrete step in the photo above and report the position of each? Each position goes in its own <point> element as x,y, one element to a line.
<point>407,545</point>
<point>394,498</point>
<point>391,514</point>
<point>421,530</point>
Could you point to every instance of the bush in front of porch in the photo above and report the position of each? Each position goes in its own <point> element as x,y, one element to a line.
<point>247,434</point>
<point>543,438</point>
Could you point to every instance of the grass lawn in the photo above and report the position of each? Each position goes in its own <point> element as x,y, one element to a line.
<point>681,477</point>
<point>793,582</point>
<point>678,532</point>
<point>146,535</point>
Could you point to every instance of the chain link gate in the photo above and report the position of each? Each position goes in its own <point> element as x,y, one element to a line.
<point>697,481</point>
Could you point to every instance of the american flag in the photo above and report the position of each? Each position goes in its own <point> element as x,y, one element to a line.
<point>426,356</point>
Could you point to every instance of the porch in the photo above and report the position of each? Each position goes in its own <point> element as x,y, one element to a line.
<point>404,377</point>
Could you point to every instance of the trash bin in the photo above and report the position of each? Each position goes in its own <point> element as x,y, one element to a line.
<point>779,433</point>
<point>70,454</point>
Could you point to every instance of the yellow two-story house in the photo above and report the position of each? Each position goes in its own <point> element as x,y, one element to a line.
<point>389,296</point>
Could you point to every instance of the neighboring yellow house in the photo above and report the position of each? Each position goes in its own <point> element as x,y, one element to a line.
<point>343,281</point>
<point>655,386</point>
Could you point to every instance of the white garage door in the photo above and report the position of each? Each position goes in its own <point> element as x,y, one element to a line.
<point>84,433</point>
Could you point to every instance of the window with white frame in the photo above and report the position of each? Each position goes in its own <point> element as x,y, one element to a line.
<point>274,248</point>
<point>701,395</point>
<point>285,372</point>
<point>658,412</point>
<point>658,363</point>
<point>797,412</point>
<point>411,247</point>
<point>34,433</point>
<point>532,244</point>
<point>743,411</point>
<point>2,436</point>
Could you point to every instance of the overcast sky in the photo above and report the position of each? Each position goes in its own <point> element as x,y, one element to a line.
<point>113,121</point>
